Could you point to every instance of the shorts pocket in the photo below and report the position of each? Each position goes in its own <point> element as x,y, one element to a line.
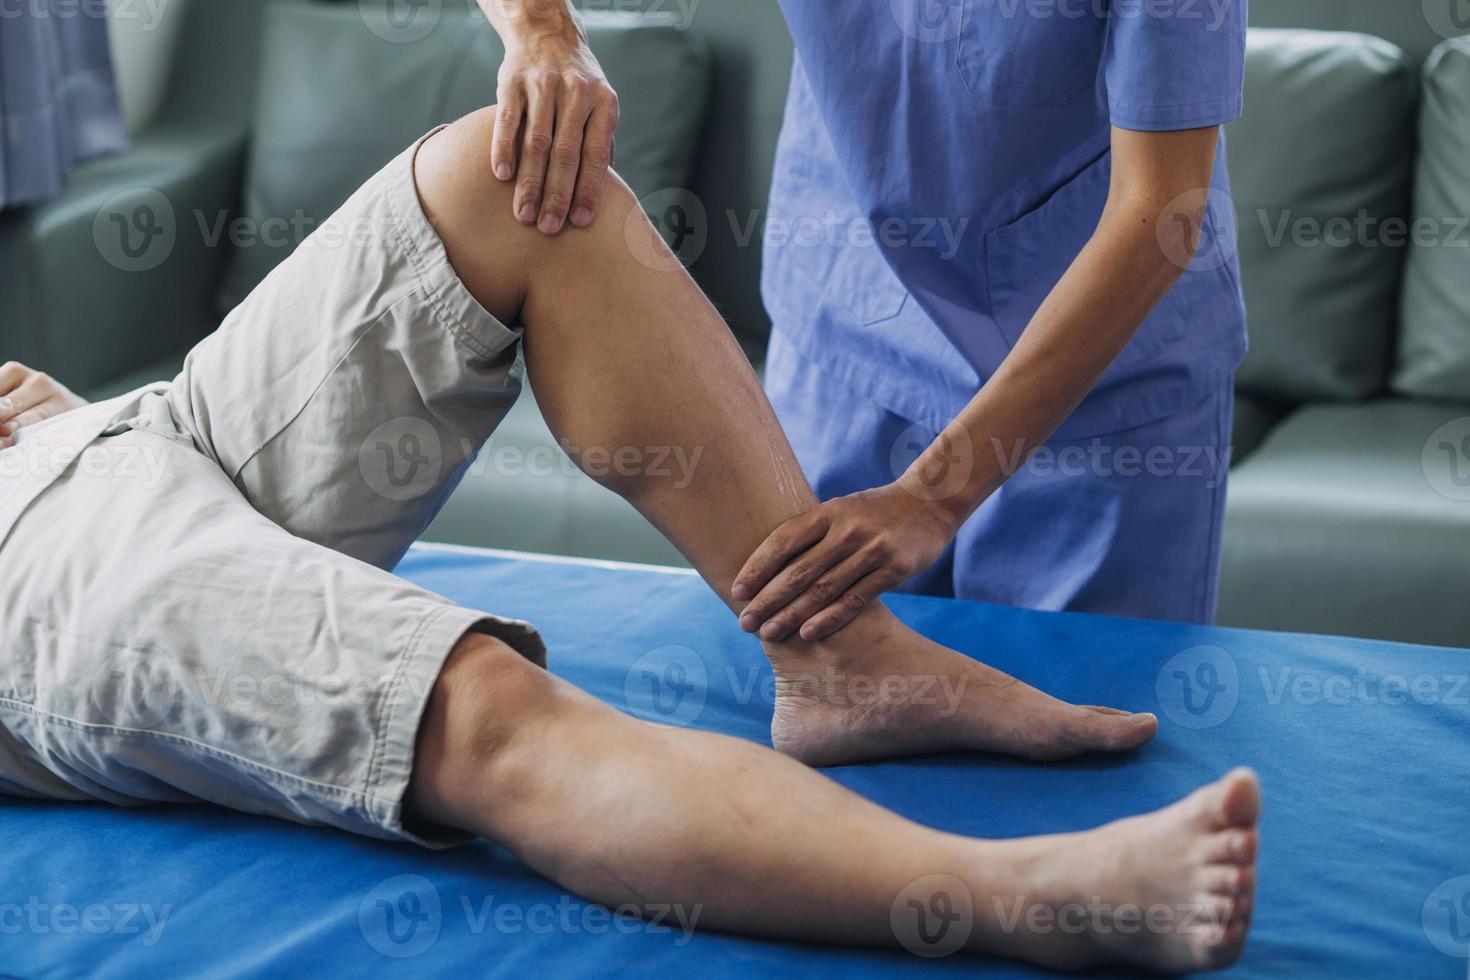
<point>1030,53</point>
<point>1026,259</point>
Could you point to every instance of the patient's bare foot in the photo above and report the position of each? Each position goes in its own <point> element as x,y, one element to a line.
<point>1171,891</point>
<point>878,689</point>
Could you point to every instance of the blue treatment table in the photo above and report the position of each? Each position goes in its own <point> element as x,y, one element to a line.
<point>1365,857</point>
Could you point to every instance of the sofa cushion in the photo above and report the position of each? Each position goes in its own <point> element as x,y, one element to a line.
<point>1319,163</point>
<point>111,274</point>
<point>1353,519</point>
<point>751,55</point>
<point>1254,419</point>
<point>1434,338</point>
<point>345,88</point>
<point>1414,26</point>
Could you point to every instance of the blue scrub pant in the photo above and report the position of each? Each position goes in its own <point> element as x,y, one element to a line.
<point>1125,524</point>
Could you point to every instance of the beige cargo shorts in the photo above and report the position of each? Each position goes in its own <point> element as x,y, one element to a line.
<point>195,595</point>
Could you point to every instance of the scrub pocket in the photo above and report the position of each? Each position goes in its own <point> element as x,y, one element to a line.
<point>866,285</point>
<point>851,276</point>
<point>1030,53</point>
<point>1026,259</point>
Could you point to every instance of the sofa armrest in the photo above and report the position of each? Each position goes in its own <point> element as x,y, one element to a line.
<point>121,269</point>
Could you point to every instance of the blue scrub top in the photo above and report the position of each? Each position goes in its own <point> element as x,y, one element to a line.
<point>942,163</point>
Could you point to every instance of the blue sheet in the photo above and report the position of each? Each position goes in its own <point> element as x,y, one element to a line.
<point>1363,844</point>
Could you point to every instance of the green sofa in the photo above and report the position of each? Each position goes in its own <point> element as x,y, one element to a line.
<point>1358,377</point>
<point>1348,509</point>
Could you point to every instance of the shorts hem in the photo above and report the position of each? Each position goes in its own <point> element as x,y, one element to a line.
<point>405,703</point>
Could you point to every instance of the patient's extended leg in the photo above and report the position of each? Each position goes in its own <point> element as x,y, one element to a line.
<point>739,838</point>
<point>638,375</point>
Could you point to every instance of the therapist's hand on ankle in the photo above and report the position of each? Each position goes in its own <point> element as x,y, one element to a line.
<point>817,572</point>
<point>28,397</point>
<point>556,116</point>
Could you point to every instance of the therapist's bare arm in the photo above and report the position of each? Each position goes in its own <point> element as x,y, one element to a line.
<point>28,397</point>
<point>556,117</point>
<point>816,570</point>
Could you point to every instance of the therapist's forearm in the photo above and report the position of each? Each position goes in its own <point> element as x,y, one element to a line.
<point>524,22</point>
<point>1148,232</point>
<point>1091,314</point>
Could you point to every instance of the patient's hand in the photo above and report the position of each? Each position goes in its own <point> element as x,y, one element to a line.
<point>28,397</point>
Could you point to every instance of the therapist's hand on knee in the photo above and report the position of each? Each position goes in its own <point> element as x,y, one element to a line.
<point>817,572</point>
<point>556,115</point>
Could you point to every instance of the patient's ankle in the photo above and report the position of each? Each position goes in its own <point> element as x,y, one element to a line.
<point>869,637</point>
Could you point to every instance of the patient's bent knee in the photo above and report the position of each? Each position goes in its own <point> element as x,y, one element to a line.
<point>460,156</point>
<point>454,163</point>
<point>494,253</point>
<point>470,210</point>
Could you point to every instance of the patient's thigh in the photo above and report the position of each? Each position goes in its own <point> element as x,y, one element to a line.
<point>347,395</point>
<point>165,642</point>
